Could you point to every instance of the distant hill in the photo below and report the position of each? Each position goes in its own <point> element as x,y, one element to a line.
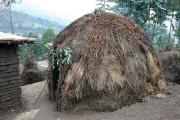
<point>35,11</point>
<point>25,23</point>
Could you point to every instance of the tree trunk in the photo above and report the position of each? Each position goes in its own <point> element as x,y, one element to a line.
<point>11,21</point>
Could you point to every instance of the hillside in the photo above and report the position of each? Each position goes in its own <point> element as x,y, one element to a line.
<point>37,11</point>
<point>25,23</point>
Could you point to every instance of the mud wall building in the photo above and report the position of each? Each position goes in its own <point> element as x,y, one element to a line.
<point>10,83</point>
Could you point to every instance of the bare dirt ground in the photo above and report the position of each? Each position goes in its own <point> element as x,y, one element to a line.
<point>43,109</point>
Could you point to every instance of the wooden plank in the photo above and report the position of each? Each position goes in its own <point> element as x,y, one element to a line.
<point>4,84</point>
<point>12,97</point>
<point>8,97</point>
<point>2,59</point>
<point>5,74</point>
<point>11,89</point>
<point>9,70</point>
<point>6,88</point>
<point>16,65</point>
<point>2,68</point>
<point>9,104</point>
<point>2,55</point>
<point>10,92</point>
<point>12,70</point>
<point>9,83</point>
<point>12,107</point>
<point>10,62</point>
<point>16,77</point>
<point>6,108</point>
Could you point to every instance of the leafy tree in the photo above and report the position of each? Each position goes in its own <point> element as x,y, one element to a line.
<point>35,49</point>
<point>151,15</point>
<point>177,32</point>
<point>47,37</point>
<point>38,50</point>
<point>6,12</point>
<point>142,11</point>
<point>174,6</point>
<point>103,4</point>
<point>23,52</point>
<point>160,36</point>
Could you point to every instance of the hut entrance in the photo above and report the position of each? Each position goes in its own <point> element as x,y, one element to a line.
<point>55,77</point>
<point>59,64</point>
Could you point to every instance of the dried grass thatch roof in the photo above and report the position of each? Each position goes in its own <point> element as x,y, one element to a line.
<point>113,62</point>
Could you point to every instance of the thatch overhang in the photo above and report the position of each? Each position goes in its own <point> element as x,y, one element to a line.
<point>11,38</point>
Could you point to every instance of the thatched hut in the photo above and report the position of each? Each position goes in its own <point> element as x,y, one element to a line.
<point>31,73</point>
<point>10,83</point>
<point>113,64</point>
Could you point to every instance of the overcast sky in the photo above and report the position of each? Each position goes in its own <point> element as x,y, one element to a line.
<point>67,9</point>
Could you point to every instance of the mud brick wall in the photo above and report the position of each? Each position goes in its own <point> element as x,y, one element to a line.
<point>10,84</point>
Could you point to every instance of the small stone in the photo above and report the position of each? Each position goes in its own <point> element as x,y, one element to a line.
<point>169,93</point>
<point>146,99</point>
<point>160,96</point>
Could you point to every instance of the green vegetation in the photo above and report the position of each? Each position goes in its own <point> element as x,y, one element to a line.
<point>24,23</point>
<point>152,15</point>
<point>177,33</point>
<point>48,35</point>
<point>59,56</point>
<point>38,50</point>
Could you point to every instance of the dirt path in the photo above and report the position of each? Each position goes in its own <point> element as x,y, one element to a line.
<point>158,109</point>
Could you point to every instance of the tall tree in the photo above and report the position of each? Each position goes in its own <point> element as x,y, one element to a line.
<point>174,10</point>
<point>104,4</point>
<point>174,6</point>
<point>150,15</point>
<point>47,37</point>
<point>177,32</point>
<point>6,12</point>
<point>142,11</point>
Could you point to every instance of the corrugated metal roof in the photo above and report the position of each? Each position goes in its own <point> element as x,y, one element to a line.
<point>11,38</point>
